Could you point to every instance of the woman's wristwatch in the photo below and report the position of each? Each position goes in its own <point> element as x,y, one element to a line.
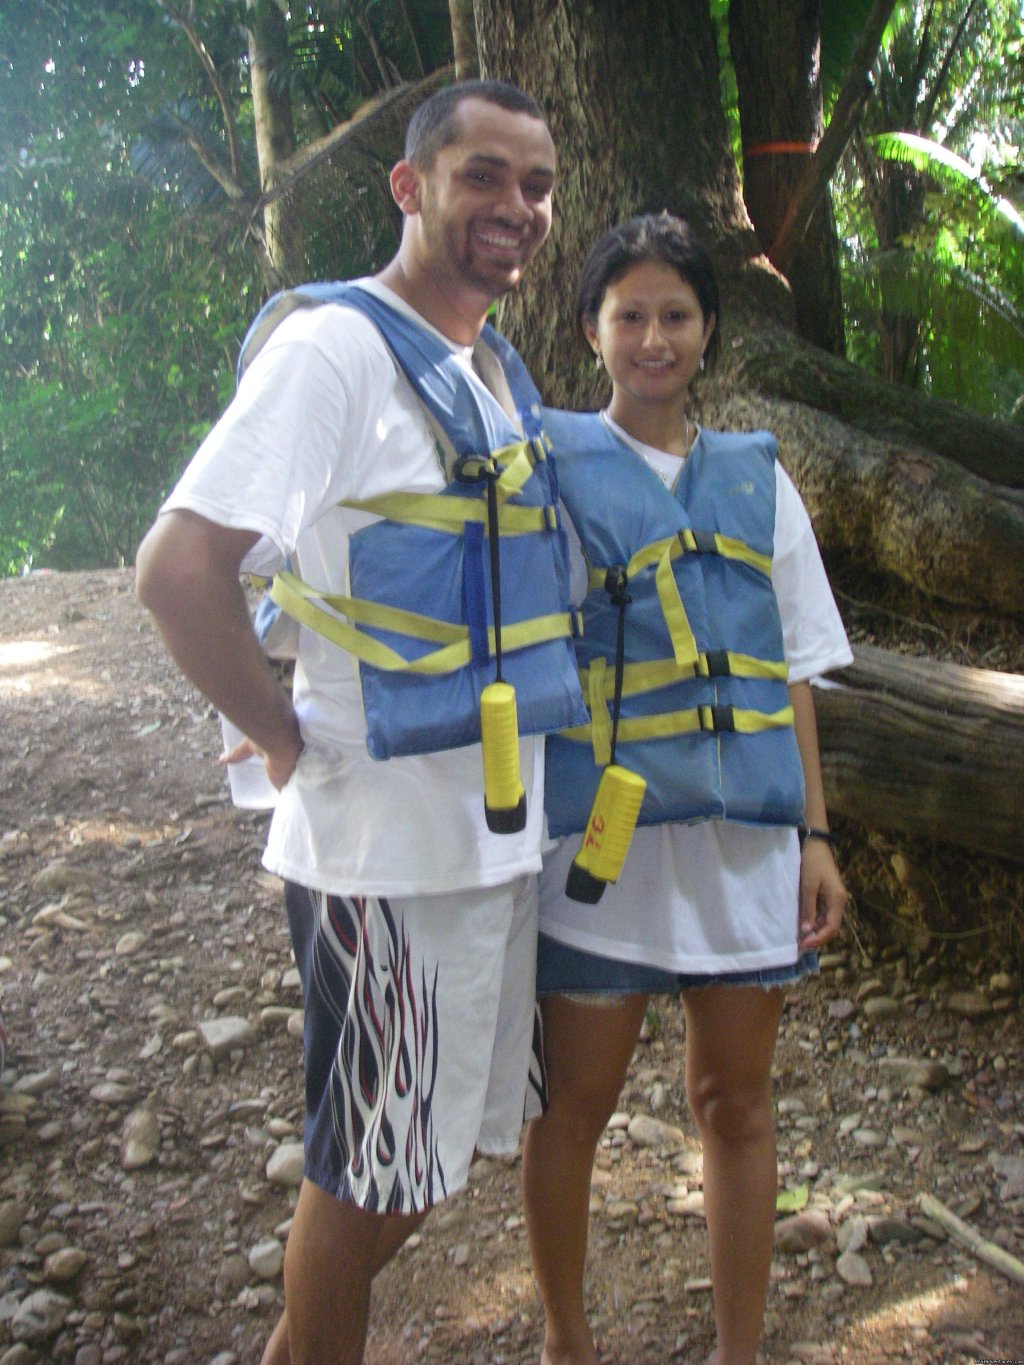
<point>808,832</point>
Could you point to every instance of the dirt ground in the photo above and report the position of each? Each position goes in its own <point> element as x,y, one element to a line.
<point>133,912</point>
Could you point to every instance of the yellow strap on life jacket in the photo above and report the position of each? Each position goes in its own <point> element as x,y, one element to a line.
<point>301,601</point>
<point>670,723</point>
<point>685,542</point>
<point>513,464</point>
<point>650,674</point>
<point>684,644</point>
<point>450,514</point>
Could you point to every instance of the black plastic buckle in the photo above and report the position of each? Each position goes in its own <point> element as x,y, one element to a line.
<point>474,468</point>
<point>718,663</point>
<point>615,581</point>
<point>722,719</point>
<point>703,541</point>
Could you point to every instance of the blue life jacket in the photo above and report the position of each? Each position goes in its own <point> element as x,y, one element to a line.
<point>705,716</point>
<point>418,614</point>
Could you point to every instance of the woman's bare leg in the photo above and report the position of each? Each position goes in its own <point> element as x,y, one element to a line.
<point>730,1042</point>
<point>587,1050</point>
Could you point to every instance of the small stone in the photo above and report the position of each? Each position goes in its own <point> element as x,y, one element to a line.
<point>926,1075</point>
<point>129,944</point>
<point>841,1009</point>
<point>224,1035</point>
<point>802,1231</point>
<point>230,995</point>
<point>286,1164</point>
<point>232,1276</point>
<point>40,1317</point>
<point>621,1210</point>
<point>9,1304</point>
<point>690,1206</point>
<point>60,1267</point>
<point>113,1092</point>
<point>791,1104</point>
<point>852,1235</point>
<point>645,1131</point>
<point>140,1140</point>
<point>19,1355</point>
<point>883,1230</point>
<point>852,1269</point>
<point>266,1258</point>
<point>90,1354</point>
<point>1011,1168</point>
<point>12,1215</point>
<point>880,1007</point>
<point>36,1082</point>
<point>869,987</point>
<point>969,1004</point>
<point>868,1137</point>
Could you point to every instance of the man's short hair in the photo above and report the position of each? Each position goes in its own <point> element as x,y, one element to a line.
<point>434,125</point>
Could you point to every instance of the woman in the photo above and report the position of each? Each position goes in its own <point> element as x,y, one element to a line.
<point>727,910</point>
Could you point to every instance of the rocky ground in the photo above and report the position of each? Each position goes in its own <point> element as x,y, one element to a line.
<point>151,1110</point>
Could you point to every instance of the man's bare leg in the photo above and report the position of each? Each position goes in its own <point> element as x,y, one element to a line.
<point>334,1252</point>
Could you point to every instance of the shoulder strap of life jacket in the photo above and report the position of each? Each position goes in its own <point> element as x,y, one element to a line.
<point>475,426</point>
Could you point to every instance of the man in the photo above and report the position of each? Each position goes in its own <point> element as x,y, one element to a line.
<point>413,926</point>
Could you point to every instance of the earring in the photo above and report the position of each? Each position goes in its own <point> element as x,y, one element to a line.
<point>702,361</point>
<point>598,362</point>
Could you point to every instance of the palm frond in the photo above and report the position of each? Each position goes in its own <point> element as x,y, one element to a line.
<point>165,158</point>
<point>949,299</point>
<point>949,170</point>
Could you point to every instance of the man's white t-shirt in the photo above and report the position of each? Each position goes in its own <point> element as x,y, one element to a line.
<point>323,414</point>
<point>714,896</point>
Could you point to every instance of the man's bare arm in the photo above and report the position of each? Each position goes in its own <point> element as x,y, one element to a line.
<point>187,575</point>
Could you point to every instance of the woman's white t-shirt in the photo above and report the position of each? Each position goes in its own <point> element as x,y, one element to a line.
<point>714,896</point>
<point>323,414</point>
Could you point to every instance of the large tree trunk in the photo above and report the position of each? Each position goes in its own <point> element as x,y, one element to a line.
<point>632,96</point>
<point>927,748</point>
<point>284,259</point>
<point>776,50</point>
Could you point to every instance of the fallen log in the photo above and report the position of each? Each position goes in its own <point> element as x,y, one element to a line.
<point>928,748</point>
<point>770,360</point>
<point>892,508</point>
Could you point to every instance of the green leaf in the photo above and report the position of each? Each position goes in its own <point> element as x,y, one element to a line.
<point>791,1200</point>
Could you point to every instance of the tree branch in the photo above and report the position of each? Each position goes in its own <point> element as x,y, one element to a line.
<point>210,71</point>
<point>467,62</point>
<point>380,109</point>
<point>821,166</point>
<point>212,163</point>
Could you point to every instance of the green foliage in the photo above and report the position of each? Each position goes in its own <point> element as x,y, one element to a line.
<point>110,363</point>
<point>934,253</point>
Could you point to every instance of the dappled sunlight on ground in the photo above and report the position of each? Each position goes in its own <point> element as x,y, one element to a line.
<point>28,667</point>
